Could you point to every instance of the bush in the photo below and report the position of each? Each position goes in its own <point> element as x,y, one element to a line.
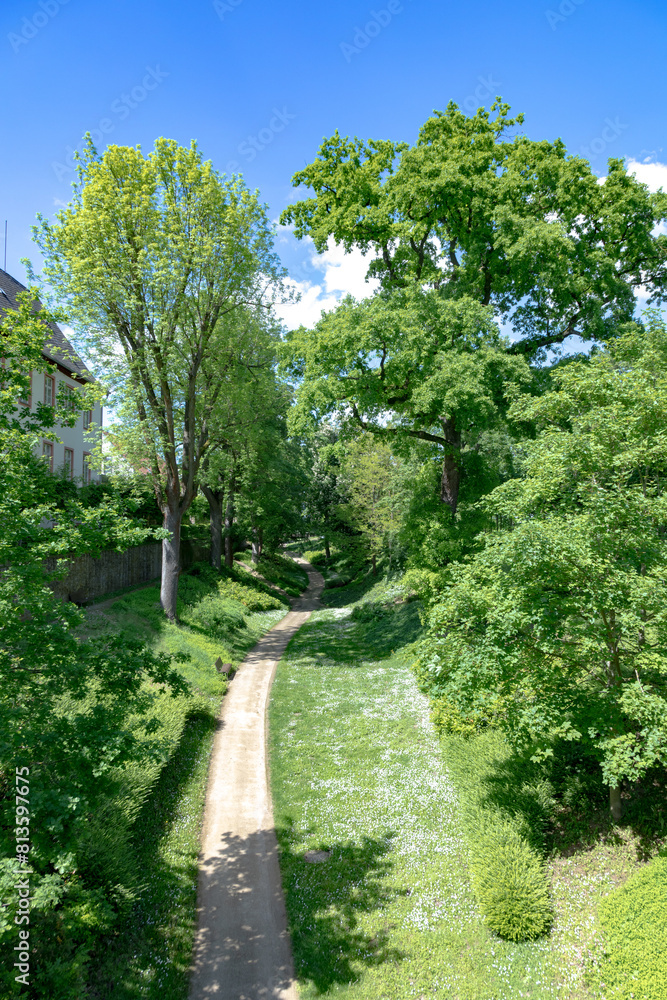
<point>634,921</point>
<point>502,804</point>
<point>217,614</point>
<point>449,720</point>
<point>370,611</point>
<point>316,557</point>
<point>510,884</point>
<point>254,599</point>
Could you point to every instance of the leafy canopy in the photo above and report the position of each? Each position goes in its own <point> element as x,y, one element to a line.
<point>565,614</point>
<point>479,213</point>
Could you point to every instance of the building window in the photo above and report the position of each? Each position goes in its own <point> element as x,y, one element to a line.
<point>69,398</point>
<point>47,451</point>
<point>69,462</point>
<point>87,419</point>
<point>28,401</point>
<point>86,467</point>
<point>49,390</point>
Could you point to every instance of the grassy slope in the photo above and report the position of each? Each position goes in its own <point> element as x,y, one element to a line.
<point>357,770</point>
<point>148,955</point>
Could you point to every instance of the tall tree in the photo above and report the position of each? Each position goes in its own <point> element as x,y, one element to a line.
<point>564,614</point>
<point>408,366</point>
<point>376,496</point>
<point>468,227</point>
<point>150,255</point>
<point>327,490</point>
<point>241,414</point>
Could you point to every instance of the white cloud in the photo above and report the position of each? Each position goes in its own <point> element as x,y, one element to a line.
<point>652,174</point>
<point>307,310</point>
<point>323,280</point>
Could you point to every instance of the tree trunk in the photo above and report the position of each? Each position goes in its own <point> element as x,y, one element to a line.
<point>255,546</point>
<point>229,528</point>
<point>215,499</point>
<point>615,804</point>
<point>327,550</point>
<point>171,554</point>
<point>451,471</point>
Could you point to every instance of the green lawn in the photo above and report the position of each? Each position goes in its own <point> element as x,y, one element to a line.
<point>358,771</point>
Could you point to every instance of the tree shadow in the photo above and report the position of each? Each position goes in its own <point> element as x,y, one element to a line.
<point>325,903</point>
<point>562,805</point>
<point>154,933</point>
<point>348,642</point>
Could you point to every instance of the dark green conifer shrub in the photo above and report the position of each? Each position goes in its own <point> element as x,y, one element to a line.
<point>510,884</point>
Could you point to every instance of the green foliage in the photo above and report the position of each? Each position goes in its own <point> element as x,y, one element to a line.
<point>253,598</point>
<point>511,885</point>
<point>216,615</point>
<point>161,301</point>
<point>369,611</point>
<point>410,367</point>
<point>74,712</point>
<point>236,585</point>
<point>448,719</point>
<point>488,217</point>
<point>565,614</point>
<point>634,922</point>
<point>504,803</point>
<point>284,573</point>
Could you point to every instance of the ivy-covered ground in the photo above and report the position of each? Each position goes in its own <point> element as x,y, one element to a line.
<point>358,771</point>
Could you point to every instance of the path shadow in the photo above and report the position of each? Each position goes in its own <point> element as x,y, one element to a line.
<point>242,946</point>
<point>325,905</point>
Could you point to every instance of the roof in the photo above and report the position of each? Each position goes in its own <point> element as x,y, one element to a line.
<point>57,347</point>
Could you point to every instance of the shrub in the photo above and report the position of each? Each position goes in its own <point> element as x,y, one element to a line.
<point>370,611</point>
<point>217,614</point>
<point>634,921</point>
<point>448,719</point>
<point>510,884</point>
<point>254,598</point>
<point>316,557</point>
<point>502,804</point>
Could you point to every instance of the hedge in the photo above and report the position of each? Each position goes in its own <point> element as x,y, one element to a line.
<point>634,922</point>
<point>507,874</point>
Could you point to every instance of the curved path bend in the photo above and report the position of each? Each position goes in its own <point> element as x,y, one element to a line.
<point>242,949</point>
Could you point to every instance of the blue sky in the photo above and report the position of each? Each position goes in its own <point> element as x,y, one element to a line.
<point>259,85</point>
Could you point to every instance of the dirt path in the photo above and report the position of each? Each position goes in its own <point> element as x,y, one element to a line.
<point>242,949</point>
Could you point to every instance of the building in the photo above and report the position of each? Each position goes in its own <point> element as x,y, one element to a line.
<point>65,367</point>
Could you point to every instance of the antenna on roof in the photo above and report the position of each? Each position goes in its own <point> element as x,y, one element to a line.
<point>5,267</point>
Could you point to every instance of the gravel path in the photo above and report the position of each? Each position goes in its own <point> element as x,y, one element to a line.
<point>242,949</point>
